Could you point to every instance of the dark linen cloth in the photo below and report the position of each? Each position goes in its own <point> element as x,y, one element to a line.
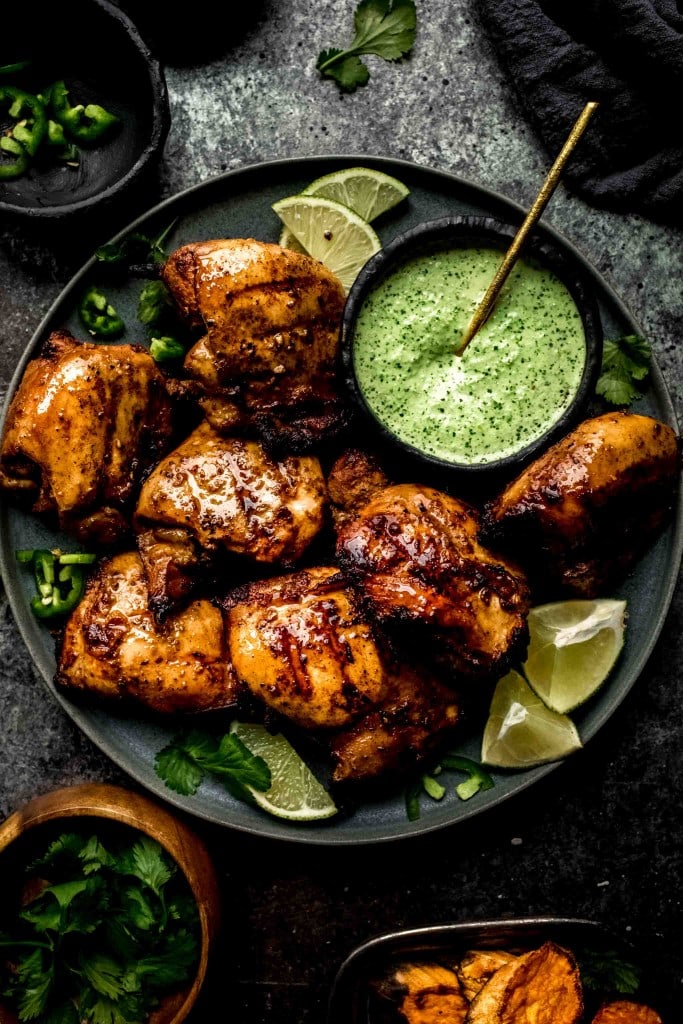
<point>627,55</point>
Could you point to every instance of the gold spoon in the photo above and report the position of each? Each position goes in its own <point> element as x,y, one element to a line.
<point>483,310</point>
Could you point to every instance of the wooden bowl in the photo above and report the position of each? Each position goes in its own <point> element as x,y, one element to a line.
<point>124,807</point>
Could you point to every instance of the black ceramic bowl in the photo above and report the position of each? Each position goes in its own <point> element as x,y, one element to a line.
<point>448,233</point>
<point>98,51</point>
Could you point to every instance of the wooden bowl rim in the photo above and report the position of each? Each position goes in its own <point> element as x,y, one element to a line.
<point>114,803</point>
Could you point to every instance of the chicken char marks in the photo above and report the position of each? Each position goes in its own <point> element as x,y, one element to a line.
<point>85,424</point>
<point>415,556</point>
<point>269,357</point>
<point>215,494</point>
<point>581,514</point>
<point>113,648</point>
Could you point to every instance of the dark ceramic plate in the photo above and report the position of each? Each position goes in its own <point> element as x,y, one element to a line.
<point>238,204</point>
<point>354,998</point>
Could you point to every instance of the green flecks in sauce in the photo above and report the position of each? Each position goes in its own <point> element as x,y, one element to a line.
<point>515,378</point>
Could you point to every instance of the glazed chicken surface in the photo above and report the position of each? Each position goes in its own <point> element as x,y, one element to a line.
<point>412,721</point>
<point>113,648</point>
<point>415,555</point>
<point>84,425</point>
<point>301,645</point>
<point>581,514</point>
<point>268,355</point>
<point>354,478</point>
<point>215,494</point>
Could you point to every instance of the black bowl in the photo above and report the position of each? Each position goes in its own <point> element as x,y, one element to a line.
<point>98,51</point>
<point>440,235</point>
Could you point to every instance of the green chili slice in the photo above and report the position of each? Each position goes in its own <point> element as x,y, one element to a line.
<point>16,167</point>
<point>478,778</point>
<point>29,113</point>
<point>83,123</point>
<point>99,316</point>
<point>59,577</point>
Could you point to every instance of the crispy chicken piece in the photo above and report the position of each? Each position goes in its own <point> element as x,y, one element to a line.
<point>353,480</point>
<point>540,987</point>
<point>477,966</point>
<point>300,644</point>
<point>432,994</point>
<point>414,553</point>
<point>216,494</point>
<point>582,513</point>
<point>83,427</point>
<point>415,718</point>
<point>113,648</point>
<point>625,1012</point>
<point>268,357</point>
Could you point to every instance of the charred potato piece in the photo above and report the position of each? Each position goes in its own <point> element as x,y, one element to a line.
<point>624,1012</point>
<point>477,966</point>
<point>540,987</point>
<point>432,995</point>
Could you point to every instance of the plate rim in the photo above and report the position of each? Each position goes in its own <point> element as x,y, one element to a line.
<point>275,828</point>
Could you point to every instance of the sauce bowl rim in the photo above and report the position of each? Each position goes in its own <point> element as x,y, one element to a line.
<point>457,231</point>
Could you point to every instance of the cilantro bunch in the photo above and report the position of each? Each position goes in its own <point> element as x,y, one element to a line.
<point>101,936</point>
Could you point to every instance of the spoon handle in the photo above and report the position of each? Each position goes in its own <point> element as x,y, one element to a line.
<point>483,310</point>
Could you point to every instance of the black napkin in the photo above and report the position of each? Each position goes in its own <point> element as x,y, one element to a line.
<point>627,55</point>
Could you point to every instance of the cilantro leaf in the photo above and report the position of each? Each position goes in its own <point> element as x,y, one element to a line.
<point>153,302</point>
<point>384,28</point>
<point>34,981</point>
<point>606,971</point>
<point>94,856</point>
<point>168,968</point>
<point>103,973</point>
<point>184,763</point>
<point>135,247</point>
<point>67,848</point>
<point>149,864</point>
<point>140,911</point>
<point>624,361</point>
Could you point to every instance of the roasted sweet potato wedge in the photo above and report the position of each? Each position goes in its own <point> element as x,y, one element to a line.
<point>432,994</point>
<point>477,966</point>
<point>624,1012</point>
<point>540,987</point>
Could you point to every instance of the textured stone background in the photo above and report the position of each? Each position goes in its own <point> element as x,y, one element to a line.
<point>601,837</point>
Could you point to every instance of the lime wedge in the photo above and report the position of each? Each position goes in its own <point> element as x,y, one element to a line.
<point>572,650</point>
<point>295,793</point>
<point>331,233</point>
<point>521,731</point>
<point>289,241</point>
<point>368,193</point>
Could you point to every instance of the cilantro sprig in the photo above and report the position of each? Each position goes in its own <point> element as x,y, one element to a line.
<point>136,248</point>
<point>191,756</point>
<point>606,971</point>
<point>625,365</point>
<point>107,932</point>
<point>384,28</point>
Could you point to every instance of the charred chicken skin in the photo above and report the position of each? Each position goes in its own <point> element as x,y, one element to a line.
<point>582,513</point>
<point>268,356</point>
<point>214,493</point>
<point>355,478</point>
<point>113,648</point>
<point>84,425</point>
<point>414,719</point>
<point>301,645</point>
<point>414,554</point>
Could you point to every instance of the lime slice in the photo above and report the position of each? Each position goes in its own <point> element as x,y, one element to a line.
<point>572,650</point>
<point>295,793</point>
<point>331,233</point>
<point>290,241</point>
<point>521,731</point>
<point>368,193</point>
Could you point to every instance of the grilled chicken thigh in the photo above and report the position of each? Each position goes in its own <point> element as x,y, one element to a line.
<point>85,424</point>
<point>113,648</point>
<point>415,555</point>
<point>217,494</point>
<point>301,645</point>
<point>413,720</point>
<point>581,514</point>
<point>355,477</point>
<point>268,355</point>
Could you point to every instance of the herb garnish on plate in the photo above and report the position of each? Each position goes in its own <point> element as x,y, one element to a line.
<point>385,28</point>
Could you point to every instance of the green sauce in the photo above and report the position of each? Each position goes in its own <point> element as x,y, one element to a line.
<point>514,380</point>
